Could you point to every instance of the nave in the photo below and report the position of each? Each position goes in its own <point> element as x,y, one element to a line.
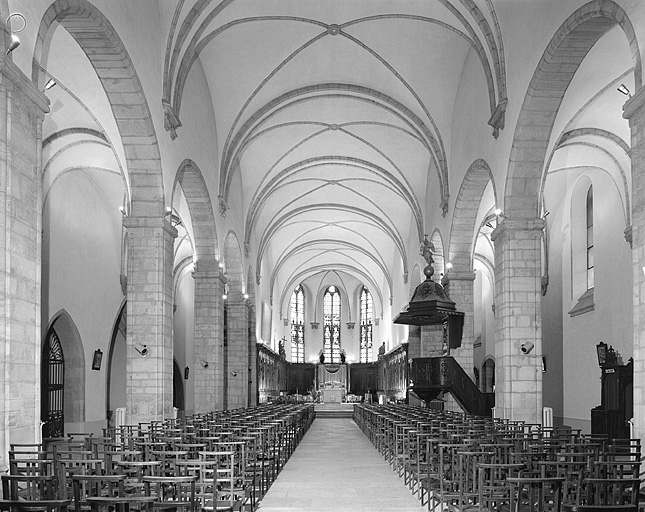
<point>336,469</point>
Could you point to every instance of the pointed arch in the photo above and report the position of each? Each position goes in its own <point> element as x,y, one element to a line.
<point>552,76</point>
<point>191,181</point>
<point>234,266</point>
<point>72,346</point>
<point>108,56</point>
<point>464,231</point>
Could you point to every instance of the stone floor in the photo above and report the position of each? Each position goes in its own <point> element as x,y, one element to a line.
<point>336,469</point>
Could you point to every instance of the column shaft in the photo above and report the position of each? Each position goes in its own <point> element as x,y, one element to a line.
<point>459,287</point>
<point>518,376</point>
<point>209,340</point>
<point>22,109</point>
<point>634,111</point>
<point>149,390</point>
<point>238,354</point>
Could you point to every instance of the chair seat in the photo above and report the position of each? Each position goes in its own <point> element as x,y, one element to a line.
<point>604,508</point>
<point>34,505</point>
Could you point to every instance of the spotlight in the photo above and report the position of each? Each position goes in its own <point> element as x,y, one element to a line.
<point>122,210</point>
<point>168,211</point>
<point>224,296</point>
<point>50,83</point>
<point>489,225</point>
<point>142,349</point>
<point>622,89</point>
<point>246,295</point>
<point>205,364</point>
<point>233,374</point>
<point>546,214</point>
<point>15,43</point>
<point>526,347</point>
<point>448,266</point>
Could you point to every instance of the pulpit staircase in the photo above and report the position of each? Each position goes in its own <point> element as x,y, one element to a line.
<point>431,376</point>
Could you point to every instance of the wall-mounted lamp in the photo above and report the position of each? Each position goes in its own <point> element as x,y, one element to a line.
<point>233,374</point>
<point>142,349</point>
<point>224,296</point>
<point>96,361</point>
<point>499,212</point>
<point>448,266</point>
<point>622,89</point>
<point>543,364</point>
<point>526,347</point>
<point>186,373</point>
<point>50,83</point>
<point>489,225</point>
<point>204,364</point>
<point>15,42</point>
<point>546,214</point>
<point>246,295</point>
<point>122,210</point>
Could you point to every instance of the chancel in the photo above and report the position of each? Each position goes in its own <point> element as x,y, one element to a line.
<point>235,231</point>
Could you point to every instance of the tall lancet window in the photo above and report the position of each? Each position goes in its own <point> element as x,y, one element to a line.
<point>590,244</point>
<point>366,326</point>
<point>331,333</point>
<point>297,325</point>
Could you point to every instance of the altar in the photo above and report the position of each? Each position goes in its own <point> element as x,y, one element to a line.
<point>331,382</point>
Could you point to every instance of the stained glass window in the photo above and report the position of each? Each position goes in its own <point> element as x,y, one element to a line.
<point>590,243</point>
<point>366,326</point>
<point>331,333</point>
<point>297,325</point>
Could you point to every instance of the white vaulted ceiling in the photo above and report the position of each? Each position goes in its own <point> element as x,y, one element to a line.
<point>334,119</point>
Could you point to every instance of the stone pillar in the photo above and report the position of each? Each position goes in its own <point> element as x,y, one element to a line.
<point>238,354</point>
<point>253,356</point>
<point>518,378</point>
<point>634,111</point>
<point>459,287</point>
<point>414,341</point>
<point>209,338</point>
<point>149,390</point>
<point>22,108</point>
<point>432,341</point>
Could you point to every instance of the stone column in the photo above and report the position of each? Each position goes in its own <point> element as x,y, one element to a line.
<point>459,287</point>
<point>518,376</point>
<point>149,393</point>
<point>634,111</point>
<point>253,356</point>
<point>209,338</point>
<point>22,108</point>
<point>238,353</point>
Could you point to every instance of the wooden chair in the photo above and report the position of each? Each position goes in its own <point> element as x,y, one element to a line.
<point>30,493</point>
<point>99,492</point>
<point>172,492</point>
<point>535,494</point>
<point>607,494</point>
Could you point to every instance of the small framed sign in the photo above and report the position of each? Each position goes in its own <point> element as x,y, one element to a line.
<point>96,361</point>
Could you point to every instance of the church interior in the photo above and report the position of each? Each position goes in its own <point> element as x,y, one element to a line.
<point>212,205</point>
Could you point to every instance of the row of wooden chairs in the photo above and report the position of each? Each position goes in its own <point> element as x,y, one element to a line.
<point>456,462</point>
<point>218,461</point>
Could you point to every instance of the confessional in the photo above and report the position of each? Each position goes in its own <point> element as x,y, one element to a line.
<point>611,417</point>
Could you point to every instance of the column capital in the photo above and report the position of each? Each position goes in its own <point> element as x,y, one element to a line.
<point>634,104</point>
<point>25,85</point>
<point>509,226</point>
<point>208,271</point>
<point>457,276</point>
<point>132,223</point>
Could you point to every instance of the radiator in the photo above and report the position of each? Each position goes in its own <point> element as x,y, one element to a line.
<point>119,421</point>
<point>547,420</point>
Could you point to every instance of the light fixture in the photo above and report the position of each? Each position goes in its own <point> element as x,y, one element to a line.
<point>246,295</point>
<point>448,266</point>
<point>499,212</point>
<point>489,225</point>
<point>168,211</point>
<point>546,214</point>
<point>15,43</point>
<point>622,89</point>
<point>142,349</point>
<point>122,210</point>
<point>224,296</point>
<point>50,83</point>
<point>233,374</point>
<point>526,347</point>
<point>205,364</point>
